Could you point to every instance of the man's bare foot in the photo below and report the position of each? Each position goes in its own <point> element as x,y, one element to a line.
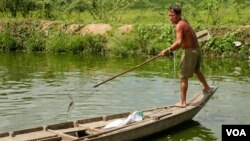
<point>180,105</point>
<point>207,91</point>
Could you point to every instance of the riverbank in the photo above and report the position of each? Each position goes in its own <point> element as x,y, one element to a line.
<point>113,39</point>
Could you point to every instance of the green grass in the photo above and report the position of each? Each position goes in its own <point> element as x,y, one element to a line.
<point>153,14</point>
<point>150,16</point>
<point>154,34</point>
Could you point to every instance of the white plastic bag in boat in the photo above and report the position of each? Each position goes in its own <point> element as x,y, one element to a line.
<point>115,123</point>
<point>135,116</point>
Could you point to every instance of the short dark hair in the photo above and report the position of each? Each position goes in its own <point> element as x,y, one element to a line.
<point>176,8</point>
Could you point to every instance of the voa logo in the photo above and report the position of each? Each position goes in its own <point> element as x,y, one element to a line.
<point>236,132</point>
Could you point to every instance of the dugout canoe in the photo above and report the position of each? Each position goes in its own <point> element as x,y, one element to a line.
<point>154,120</point>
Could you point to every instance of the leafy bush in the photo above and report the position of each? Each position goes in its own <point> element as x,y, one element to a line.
<point>7,42</point>
<point>62,42</point>
<point>21,31</point>
<point>245,51</point>
<point>125,45</point>
<point>35,43</point>
<point>144,40</point>
<point>94,43</point>
<point>224,45</point>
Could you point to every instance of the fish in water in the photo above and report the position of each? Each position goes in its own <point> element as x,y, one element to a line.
<point>71,104</point>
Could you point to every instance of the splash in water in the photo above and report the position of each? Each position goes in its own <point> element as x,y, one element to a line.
<point>71,104</point>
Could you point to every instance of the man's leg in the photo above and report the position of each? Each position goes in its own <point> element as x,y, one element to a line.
<point>203,81</point>
<point>184,87</point>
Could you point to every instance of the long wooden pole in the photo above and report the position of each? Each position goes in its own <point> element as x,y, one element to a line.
<point>202,35</point>
<point>126,71</point>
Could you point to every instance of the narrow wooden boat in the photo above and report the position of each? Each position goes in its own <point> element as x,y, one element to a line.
<point>154,120</point>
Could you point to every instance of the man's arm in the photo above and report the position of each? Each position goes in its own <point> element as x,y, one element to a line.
<point>178,41</point>
<point>179,37</point>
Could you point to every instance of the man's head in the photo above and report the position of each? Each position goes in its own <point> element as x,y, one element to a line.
<point>174,13</point>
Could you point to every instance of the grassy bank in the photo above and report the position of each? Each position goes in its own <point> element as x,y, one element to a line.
<point>61,32</point>
<point>144,39</point>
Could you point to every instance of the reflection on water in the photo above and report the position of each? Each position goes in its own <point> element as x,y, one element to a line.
<point>188,131</point>
<point>35,88</point>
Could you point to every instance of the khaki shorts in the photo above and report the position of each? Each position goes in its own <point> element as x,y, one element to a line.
<point>190,62</point>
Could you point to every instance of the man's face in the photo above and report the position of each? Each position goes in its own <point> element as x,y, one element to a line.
<point>173,17</point>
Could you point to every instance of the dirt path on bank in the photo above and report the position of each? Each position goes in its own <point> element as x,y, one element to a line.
<point>82,29</point>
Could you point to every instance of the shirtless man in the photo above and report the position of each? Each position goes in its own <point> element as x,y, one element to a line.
<point>191,57</point>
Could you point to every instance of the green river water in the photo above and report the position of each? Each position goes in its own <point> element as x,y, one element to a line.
<point>35,89</point>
